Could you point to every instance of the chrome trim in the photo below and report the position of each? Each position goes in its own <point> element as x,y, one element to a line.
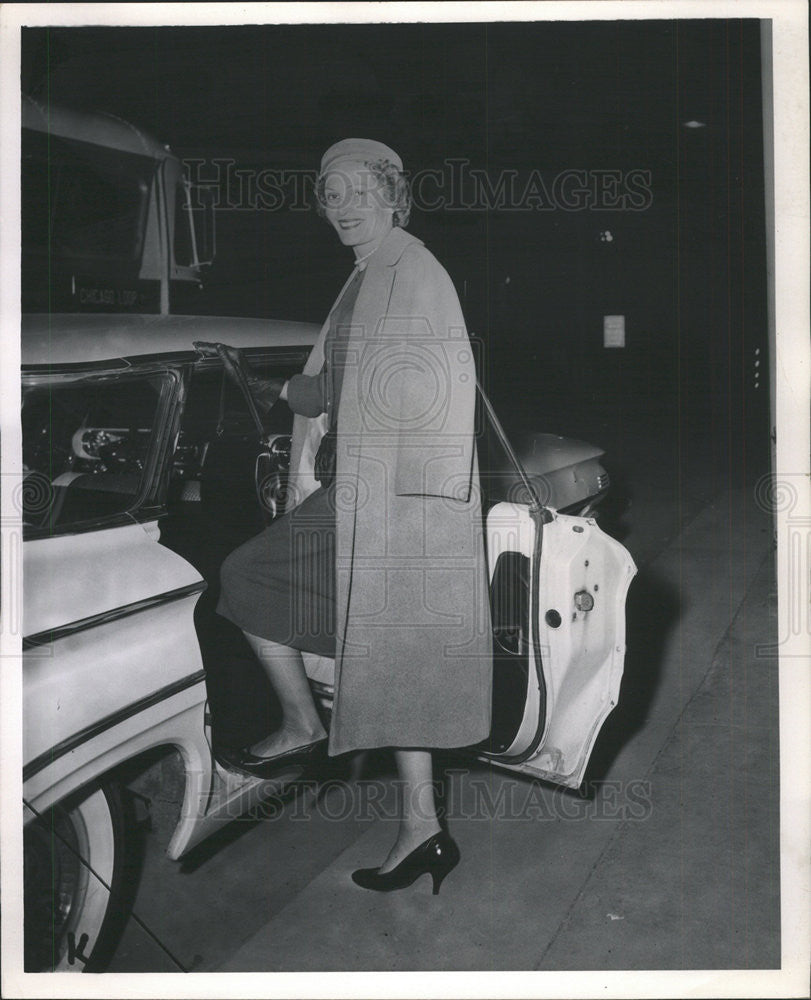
<point>144,515</point>
<point>65,372</point>
<point>58,750</point>
<point>37,373</point>
<point>48,636</point>
<point>321,689</point>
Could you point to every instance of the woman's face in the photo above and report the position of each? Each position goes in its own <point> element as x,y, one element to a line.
<point>355,204</point>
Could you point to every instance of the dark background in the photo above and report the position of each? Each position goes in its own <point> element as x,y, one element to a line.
<point>688,271</point>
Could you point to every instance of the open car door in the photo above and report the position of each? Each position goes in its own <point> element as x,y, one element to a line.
<point>557,593</point>
<point>558,586</point>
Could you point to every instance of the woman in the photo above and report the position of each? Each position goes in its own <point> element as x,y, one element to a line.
<point>382,568</point>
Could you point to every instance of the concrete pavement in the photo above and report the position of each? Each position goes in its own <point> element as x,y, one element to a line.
<point>671,860</point>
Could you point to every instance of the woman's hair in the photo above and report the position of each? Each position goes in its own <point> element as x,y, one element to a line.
<point>395,187</point>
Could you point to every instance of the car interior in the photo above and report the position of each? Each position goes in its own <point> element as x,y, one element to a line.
<point>87,445</point>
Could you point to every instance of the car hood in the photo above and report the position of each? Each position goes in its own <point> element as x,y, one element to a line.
<point>79,338</point>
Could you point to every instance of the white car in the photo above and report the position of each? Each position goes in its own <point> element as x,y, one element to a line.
<point>140,476</point>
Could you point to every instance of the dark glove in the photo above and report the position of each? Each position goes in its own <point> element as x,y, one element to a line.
<point>264,391</point>
<point>325,459</point>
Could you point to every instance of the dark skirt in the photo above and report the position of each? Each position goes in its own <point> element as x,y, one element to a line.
<point>280,585</point>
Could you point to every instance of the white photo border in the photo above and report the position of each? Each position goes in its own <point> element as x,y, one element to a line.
<point>789,26</point>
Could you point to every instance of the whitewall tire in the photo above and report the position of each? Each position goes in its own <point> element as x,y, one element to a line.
<point>76,896</point>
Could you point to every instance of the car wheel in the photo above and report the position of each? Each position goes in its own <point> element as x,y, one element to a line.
<point>75,862</point>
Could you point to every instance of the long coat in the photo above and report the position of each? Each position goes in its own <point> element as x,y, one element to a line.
<point>413,661</point>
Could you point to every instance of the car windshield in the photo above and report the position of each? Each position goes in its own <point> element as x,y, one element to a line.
<point>86,447</point>
<point>84,214</point>
<point>82,201</point>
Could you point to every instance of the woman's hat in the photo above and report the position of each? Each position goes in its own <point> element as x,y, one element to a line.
<point>359,150</point>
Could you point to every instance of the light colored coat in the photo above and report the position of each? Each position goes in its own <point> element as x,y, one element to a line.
<point>413,655</point>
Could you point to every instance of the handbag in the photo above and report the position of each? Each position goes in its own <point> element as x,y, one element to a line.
<point>326,458</point>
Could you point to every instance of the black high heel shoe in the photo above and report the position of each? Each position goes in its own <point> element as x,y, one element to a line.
<point>266,768</point>
<point>438,856</point>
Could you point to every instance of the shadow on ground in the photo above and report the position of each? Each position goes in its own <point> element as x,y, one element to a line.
<point>652,610</point>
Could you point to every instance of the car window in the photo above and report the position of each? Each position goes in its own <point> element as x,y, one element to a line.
<point>213,399</point>
<point>84,212</point>
<point>82,201</point>
<point>89,447</point>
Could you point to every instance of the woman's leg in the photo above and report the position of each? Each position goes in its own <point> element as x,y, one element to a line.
<point>301,724</point>
<point>418,819</point>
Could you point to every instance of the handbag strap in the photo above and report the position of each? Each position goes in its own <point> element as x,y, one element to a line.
<point>536,507</point>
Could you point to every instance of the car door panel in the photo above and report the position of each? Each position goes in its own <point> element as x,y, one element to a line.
<point>577,630</point>
<point>71,577</point>
<point>562,675</point>
<point>108,619</point>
